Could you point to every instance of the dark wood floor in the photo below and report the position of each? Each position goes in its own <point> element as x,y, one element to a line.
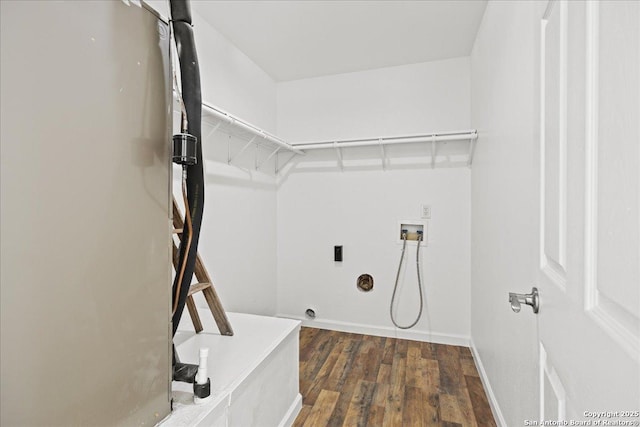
<point>360,380</point>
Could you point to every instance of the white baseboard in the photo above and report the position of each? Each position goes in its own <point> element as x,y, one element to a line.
<point>493,402</point>
<point>292,413</point>
<point>382,331</point>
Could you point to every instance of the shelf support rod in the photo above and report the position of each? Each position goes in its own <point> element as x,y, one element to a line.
<point>255,158</point>
<point>242,150</point>
<point>268,157</point>
<point>212,131</point>
<point>383,155</point>
<point>433,151</point>
<point>280,167</point>
<point>472,147</point>
<point>339,153</point>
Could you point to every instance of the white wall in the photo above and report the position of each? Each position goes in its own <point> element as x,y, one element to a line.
<point>238,237</point>
<point>239,234</point>
<point>319,206</point>
<point>431,96</point>
<point>231,80</point>
<point>503,196</point>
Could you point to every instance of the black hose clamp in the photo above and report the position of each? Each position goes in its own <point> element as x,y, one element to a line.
<point>202,390</point>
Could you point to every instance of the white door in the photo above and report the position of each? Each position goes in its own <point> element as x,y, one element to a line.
<point>589,170</point>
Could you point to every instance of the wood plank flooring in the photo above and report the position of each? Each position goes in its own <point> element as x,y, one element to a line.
<point>360,380</point>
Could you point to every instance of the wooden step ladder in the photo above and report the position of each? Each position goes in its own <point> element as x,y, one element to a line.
<point>204,285</point>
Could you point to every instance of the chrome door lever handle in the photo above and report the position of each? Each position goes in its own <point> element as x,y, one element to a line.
<point>531,299</point>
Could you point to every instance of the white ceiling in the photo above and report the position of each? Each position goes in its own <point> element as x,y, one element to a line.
<point>299,39</point>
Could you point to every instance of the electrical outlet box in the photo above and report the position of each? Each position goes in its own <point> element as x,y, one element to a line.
<point>426,211</point>
<point>337,253</point>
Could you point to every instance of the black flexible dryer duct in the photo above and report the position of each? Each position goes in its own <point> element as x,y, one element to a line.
<point>190,81</point>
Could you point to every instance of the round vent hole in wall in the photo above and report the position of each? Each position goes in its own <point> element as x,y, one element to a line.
<point>310,313</point>
<point>365,282</point>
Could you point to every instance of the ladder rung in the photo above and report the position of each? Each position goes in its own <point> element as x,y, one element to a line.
<point>177,230</point>
<point>197,287</point>
<point>204,285</point>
